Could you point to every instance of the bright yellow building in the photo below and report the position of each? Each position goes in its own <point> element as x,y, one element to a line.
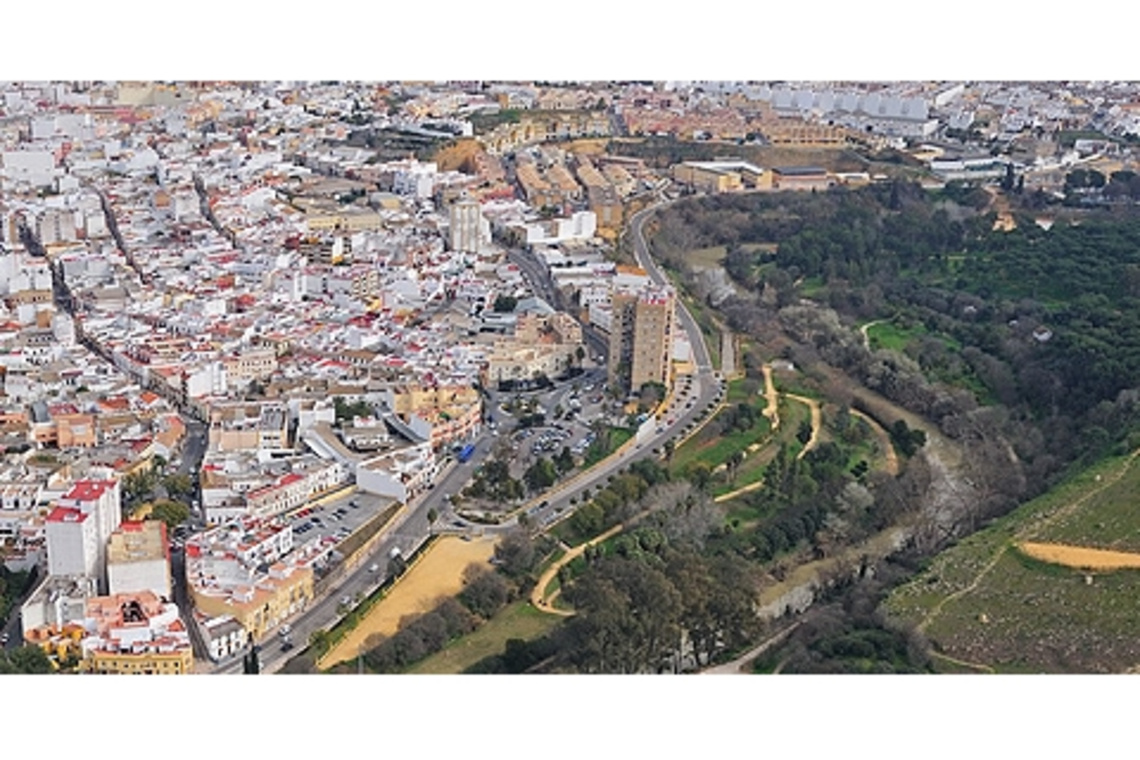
<point>175,662</point>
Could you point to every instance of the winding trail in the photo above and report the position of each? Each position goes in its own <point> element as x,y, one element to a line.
<point>816,422</point>
<point>538,595</point>
<point>892,457</point>
<point>742,490</point>
<point>863,331</point>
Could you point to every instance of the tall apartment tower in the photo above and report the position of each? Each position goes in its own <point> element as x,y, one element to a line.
<point>641,337</point>
<point>470,232</point>
<point>79,528</point>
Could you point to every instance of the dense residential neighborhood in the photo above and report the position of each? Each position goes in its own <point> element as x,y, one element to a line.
<point>261,341</point>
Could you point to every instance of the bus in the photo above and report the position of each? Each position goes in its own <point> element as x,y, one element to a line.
<point>465,453</point>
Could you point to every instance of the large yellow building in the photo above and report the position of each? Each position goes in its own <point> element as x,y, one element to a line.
<point>174,662</point>
<point>262,604</point>
<point>248,570</point>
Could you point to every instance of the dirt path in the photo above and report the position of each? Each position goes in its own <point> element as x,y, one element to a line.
<point>439,573</point>
<point>816,422</point>
<point>971,665</point>
<point>863,331</point>
<point>735,667</point>
<point>742,490</point>
<point>892,457</point>
<point>538,595</point>
<point>771,408</point>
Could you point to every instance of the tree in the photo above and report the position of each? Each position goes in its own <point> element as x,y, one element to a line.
<point>173,513</point>
<point>432,516</point>
<point>734,461</point>
<point>28,660</point>
<point>484,591</point>
<point>505,304</point>
<point>699,475</point>
<point>178,485</point>
<point>540,475</point>
<point>564,461</point>
<point>516,553</point>
<point>668,448</point>
<point>803,433</point>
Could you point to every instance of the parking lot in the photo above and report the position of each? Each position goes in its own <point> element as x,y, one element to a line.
<point>337,518</point>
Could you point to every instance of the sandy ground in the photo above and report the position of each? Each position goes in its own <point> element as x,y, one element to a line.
<point>771,408</point>
<point>438,574</point>
<point>1080,557</point>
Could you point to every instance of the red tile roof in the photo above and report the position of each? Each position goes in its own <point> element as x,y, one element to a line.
<point>89,490</point>
<point>65,515</point>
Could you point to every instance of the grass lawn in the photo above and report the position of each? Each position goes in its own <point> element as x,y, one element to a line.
<point>892,336</point>
<point>1108,520</point>
<point>596,453</point>
<point>812,287</point>
<point>515,621</point>
<point>739,390</point>
<point>706,258</point>
<point>717,450</point>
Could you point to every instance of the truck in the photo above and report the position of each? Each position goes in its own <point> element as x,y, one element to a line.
<point>466,452</point>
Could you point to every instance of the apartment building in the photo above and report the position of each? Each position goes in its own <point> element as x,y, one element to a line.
<point>469,231</point>
<point>641,337</point>
<point>248,570</point>
<point>80,526</point>
<point>138,559</point>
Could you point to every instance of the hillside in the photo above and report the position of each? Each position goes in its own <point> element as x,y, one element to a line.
<point>986,605</point>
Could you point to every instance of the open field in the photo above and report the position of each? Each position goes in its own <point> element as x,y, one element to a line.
<point>439,573</point>
<point>515,621</point>
<point>988,603</point>
<point>892,336</point>
<point>706,258</point>
<point>1110,520</point>
<point>1032,617</point>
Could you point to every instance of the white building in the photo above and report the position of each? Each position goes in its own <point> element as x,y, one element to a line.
<point>33,167</point>
<point>399,474</point>
<point>88,513</point>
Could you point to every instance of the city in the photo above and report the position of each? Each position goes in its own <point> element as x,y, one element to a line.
<point>266,348</point>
